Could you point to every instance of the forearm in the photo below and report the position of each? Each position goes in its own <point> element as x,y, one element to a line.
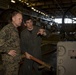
<point>46,33</point>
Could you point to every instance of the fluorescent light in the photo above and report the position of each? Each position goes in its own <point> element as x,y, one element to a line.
<point>12,1</point>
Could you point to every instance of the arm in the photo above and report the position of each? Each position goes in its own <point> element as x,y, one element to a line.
<point>29,56</point>
<point>2,40</point>
<point>23,42</point>
<point>4,34</point>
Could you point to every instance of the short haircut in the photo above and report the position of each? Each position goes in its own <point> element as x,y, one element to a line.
<point>8,14</point>
<point>13,12</point>
<point>26,17</point>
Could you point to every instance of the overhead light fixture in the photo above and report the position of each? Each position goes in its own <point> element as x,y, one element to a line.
<point>19,0</point>
<point>33,8</point>
<point>12,1</point>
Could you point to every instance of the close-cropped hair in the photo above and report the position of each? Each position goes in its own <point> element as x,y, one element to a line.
<point>13,12</point>
<point>7,14</point>
<point>26,17</point>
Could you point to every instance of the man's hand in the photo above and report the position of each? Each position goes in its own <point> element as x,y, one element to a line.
<point>12,53</point>
<point>27,55</point>
<point>41,32</point>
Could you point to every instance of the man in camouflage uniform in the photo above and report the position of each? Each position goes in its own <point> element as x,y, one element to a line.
<point>10,44</point>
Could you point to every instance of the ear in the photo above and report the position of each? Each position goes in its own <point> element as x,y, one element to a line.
<point>13,18</point>
<point>24,24</point>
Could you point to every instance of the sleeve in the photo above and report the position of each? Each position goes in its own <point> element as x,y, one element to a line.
<point>47,33</point>
<point>2,40</point>
<point>22,43</point>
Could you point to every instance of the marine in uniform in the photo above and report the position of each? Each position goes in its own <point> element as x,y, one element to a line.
<point>10,44</point>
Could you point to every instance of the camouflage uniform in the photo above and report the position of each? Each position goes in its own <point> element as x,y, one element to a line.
<point>9,40</point>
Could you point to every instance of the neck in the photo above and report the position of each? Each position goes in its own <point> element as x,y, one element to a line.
<point>30,29</point>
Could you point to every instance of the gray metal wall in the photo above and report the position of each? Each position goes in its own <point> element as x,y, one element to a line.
<point>66,58</point>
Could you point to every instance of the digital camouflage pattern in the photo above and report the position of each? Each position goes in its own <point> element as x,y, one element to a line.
<point>9,40</point>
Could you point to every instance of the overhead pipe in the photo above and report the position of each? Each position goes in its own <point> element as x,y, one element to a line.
<point>62,31</point>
